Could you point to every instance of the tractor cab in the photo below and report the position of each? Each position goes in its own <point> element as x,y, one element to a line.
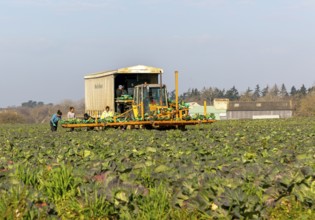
<point>148,98</point>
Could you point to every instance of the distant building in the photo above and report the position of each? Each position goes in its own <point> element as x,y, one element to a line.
<point>259,110</point>
<point>221,104</point>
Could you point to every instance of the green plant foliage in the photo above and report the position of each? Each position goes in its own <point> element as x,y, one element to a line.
<point>18,202</point>
<point>59,183</point>
<point>243,169</point>
<point>87,205</point>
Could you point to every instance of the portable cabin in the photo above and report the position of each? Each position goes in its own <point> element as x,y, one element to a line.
<point>100,87</point>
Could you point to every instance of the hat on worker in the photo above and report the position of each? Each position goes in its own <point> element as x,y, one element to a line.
<point>120,87</point>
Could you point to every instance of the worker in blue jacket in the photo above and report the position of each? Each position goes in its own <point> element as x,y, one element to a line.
<point>54,120</point>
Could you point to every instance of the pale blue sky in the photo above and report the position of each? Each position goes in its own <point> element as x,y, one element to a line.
<point>47,46</point>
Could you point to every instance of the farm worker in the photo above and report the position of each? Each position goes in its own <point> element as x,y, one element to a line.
<point>119,92</point>
<point>107,113</point>
<point>86,117</point>
<point>152,101</point>
<point>71,115</point>
<point>54,120</point>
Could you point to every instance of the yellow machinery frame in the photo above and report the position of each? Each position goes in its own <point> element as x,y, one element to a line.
<point>176,116</point>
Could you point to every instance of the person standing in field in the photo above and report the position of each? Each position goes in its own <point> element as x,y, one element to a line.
<point>119,92</point>
<point>54,120</point>
<point>71,115</point>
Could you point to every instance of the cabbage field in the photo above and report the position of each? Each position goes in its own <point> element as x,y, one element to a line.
<point>244,169</point>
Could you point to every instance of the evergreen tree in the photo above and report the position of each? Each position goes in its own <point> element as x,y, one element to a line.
<point>232,94</point>
<point>219,93</point>
<point>265,91</point>
<point>195,92</point>
<point>302,90</point>
<point>257,92</point>
<point>283,91</point>
<point>293,91</point>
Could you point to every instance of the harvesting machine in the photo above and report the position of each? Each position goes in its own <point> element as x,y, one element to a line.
<point>148,108</point>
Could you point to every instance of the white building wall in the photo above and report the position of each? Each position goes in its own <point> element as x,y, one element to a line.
<point>250,114</point>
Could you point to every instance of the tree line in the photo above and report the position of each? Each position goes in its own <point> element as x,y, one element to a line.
<point>38,112</point>
<point>267,93</point>
<point>303,100</point>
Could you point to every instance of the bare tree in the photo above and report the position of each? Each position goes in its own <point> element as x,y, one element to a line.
<point>306,106</point>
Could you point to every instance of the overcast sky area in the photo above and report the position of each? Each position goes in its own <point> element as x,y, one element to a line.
<point>48,46</point>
